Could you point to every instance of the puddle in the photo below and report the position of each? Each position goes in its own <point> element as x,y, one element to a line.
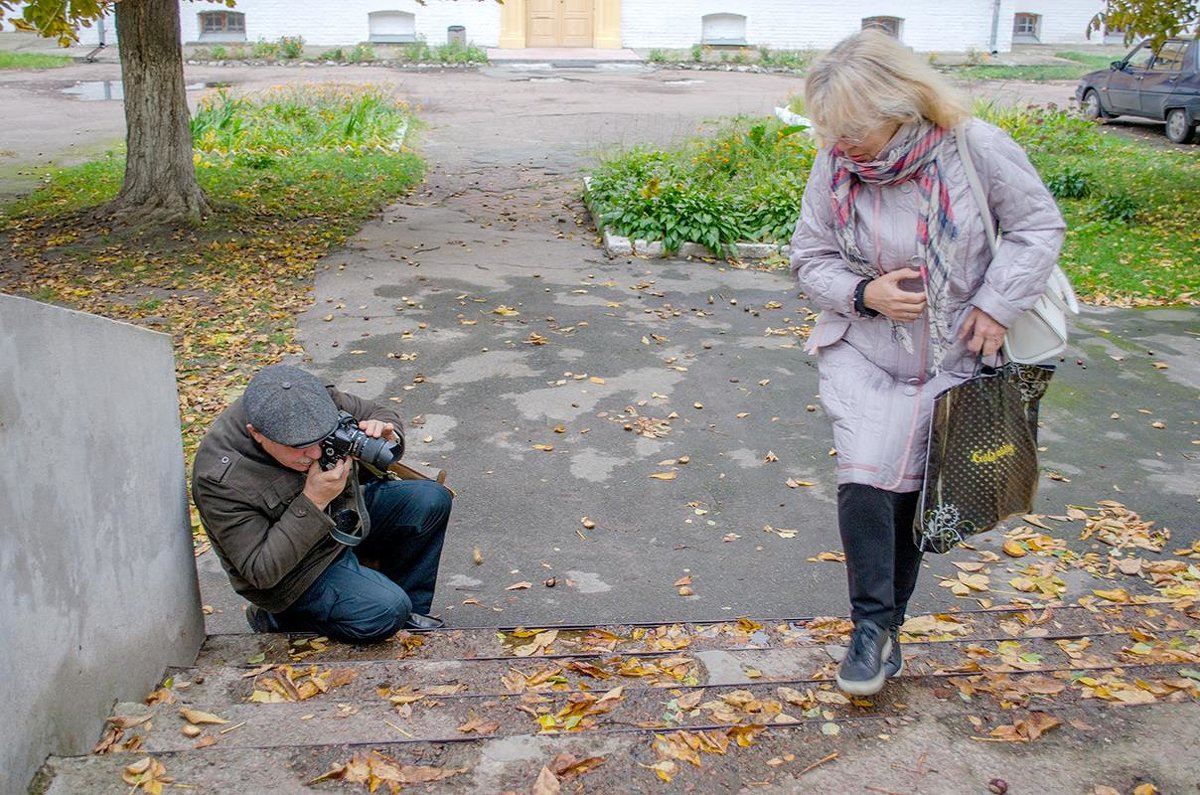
<point>682,82</point>
<point>547,80</point>
<point>101,90</point>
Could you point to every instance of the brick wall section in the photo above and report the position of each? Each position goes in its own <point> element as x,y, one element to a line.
<point>927,26</point>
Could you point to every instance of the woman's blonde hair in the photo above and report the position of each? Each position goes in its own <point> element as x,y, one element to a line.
<point>870,79</point>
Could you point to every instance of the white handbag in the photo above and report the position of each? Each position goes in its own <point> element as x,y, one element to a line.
<point>1040,332</point>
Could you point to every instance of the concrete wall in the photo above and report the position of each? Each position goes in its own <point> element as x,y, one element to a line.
<point>928,25</point>
<point>97,578</point>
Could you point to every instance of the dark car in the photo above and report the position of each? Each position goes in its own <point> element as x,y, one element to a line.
<point>1160,83</point>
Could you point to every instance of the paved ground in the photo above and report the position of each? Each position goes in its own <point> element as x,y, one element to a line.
<point>499,222</point>
<point>629,368</point>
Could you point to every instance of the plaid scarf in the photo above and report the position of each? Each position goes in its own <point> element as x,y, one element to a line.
<point>914,158</point>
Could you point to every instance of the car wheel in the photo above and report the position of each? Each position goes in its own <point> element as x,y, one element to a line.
<point>1092,109</point>
<point>1178,128</point>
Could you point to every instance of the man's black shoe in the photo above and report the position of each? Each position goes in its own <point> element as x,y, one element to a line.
<point>259,619</point>
<point>894,664</point>
<point>420,621</point>
<point>861,673</point>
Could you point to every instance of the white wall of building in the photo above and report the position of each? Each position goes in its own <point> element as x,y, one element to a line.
<point>927,25</point>
<point>1062,21</point>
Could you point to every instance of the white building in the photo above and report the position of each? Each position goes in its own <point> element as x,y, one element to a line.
<point>924,25</point>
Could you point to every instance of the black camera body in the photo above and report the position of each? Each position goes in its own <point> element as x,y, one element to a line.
<point>347,439</point>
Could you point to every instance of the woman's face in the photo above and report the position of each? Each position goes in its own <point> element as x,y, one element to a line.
<point>868,147</point>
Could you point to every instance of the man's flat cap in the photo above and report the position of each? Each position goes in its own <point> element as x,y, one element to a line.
<point>289,406</point>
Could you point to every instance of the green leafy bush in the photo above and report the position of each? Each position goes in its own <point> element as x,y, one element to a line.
<point>336,55</point>
<point>1069,183</point>
<point>742,183</point>
<point>657,56</point>
<point>219,53</point>
<point>360,53</point>
<point>291,47</point>
<point>265,50</point>
<point>1119,207</point>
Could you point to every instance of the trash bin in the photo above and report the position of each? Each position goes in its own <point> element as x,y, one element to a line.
<point>456,34</point>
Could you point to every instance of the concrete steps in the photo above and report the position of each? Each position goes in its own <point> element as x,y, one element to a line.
<point>498,705</point>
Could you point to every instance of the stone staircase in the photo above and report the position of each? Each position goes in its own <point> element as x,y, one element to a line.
<point>713,707</point>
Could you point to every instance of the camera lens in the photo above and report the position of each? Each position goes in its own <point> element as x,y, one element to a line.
<point>379,453</point>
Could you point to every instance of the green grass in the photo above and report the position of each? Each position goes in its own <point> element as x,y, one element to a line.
<point>31,60</point>
<point>1149,258</point>
<point>1080,64</point>
<point>284,120</point>
<point>1132,210</point>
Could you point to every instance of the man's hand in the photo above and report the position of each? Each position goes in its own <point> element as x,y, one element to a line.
<point>377,429</point>
<point>885,296</point>
<point>321,486</point>
<point>982,333</point>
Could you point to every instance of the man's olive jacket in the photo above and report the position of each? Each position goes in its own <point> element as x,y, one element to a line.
<point>271,539</point>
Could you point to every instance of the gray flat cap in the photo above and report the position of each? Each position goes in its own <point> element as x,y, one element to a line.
<point>289,406</point>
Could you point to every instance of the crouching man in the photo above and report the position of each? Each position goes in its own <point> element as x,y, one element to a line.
<point>343,551</point>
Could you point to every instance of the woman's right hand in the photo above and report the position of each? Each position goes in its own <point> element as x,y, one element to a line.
<point>885,296</point>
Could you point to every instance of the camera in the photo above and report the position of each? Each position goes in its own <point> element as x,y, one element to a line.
<point>348,439</point>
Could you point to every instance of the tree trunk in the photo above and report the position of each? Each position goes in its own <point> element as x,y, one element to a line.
<point>160,179</point>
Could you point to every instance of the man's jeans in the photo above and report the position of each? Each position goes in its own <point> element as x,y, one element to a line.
<point>353,603</point>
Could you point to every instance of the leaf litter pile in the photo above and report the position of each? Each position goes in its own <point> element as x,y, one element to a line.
<point>1022,660</point>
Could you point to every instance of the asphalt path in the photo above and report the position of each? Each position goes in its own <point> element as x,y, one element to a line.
<point>621,433</point>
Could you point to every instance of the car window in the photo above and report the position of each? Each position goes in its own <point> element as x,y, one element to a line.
<point>1140,58</point>
<point>1170,57</point>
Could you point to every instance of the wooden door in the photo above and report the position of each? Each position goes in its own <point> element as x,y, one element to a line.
<point>575,28</point>
<point>543,23</point>
<point>560,23</point>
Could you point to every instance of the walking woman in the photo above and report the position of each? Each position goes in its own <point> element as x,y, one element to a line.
<point>891,246</point>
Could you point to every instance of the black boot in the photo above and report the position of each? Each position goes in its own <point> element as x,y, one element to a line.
<point>894,663</point>
<point>861,672</point>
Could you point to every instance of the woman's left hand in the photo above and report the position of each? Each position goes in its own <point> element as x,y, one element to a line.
<point>982,333</point>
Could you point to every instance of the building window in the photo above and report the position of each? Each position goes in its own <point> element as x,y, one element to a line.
<point>222,26</point>
<point>888,25</point>
<point>1026,27</point>
<point>723,29</point>
<point>392,27</point>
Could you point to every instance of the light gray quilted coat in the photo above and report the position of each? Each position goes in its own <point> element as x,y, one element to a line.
<point>879,397</point>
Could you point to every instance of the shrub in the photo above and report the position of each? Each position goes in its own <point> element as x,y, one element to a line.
<point>459,53</point>
<point>418,52</point>
<point>784,59</point>
<point>219,53</point>
<point>697,53</point>
<point>1119,207</point>
<point>266,50</point>
<point>291,47</point>
<point>335,55</point>
<point>657,56</point>
<point>361,53</point>
<point>744,182</point>
<point>1069,183</point>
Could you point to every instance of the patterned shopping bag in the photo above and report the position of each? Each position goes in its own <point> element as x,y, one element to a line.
<point>981,466</point>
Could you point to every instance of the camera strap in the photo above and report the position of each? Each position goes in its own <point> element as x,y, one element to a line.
<point>351,522</point>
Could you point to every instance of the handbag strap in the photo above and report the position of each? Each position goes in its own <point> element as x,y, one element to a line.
<point>964,154</point>
<point>1059,288</point>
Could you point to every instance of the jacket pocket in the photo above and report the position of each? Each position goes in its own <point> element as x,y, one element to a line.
<point>829,329</point>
